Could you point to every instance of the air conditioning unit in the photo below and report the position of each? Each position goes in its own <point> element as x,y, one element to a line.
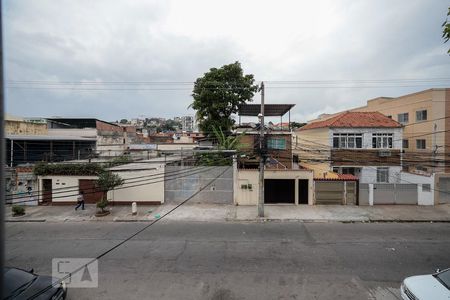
<point>384,153</point>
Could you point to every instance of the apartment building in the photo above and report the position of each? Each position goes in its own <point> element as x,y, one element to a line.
<point>367,145</point>
<point>425,117</point>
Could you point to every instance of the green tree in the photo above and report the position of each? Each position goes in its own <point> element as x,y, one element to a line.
<point>217,95</point>
<point>446,30</point>
<point>123,121</point>
<point>225,142</point>
<point>295,125</point>
<point>106,182</point>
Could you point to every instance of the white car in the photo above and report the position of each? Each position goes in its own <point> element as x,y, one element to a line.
<point>432,286</point>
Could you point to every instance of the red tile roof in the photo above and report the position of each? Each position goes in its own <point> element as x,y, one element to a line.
<point>355,120</point>
<point>341,177</point>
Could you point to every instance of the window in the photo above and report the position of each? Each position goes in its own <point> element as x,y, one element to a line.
<point>381,140</point>
<point>421,144</point>
<point>421,115</point>
<point>405,143</point>
<point>421,168</point>
<point>426,187</point>
<point>383,175</point>
<point>403,118</point>
<point>347,140</point>
<point>278,144</point>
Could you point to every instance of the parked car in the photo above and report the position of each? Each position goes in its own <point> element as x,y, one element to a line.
<point>432,286</point>
<point>21,284</point>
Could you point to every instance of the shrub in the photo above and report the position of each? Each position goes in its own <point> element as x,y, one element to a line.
<point>86,169</point>
<point>107,181</point>
<point>18,210</point>
<point>102,204</point>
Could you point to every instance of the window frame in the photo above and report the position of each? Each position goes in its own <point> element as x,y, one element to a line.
<point>407,143</point>
<point>421,115</point>
<point>343,140</point>
<point>380,171</point>
<point>273,143</point>
<point>424,144</point>
<point>382,140</point>
<point>405,118</point>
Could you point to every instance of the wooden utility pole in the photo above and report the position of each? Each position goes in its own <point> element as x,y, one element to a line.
<point>261,156</point>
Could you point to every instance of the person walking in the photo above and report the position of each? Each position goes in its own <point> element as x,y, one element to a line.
<point>80,200</point>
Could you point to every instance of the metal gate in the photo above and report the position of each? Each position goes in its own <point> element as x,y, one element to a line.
<point>363,194</point>
<point>329,192</point>
<point>444,190</point>
<point>394,193</point>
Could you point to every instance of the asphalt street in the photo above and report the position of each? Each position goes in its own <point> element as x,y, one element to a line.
<point>204,260</point>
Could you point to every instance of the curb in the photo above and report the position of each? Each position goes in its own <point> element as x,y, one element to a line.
<point>132,221</point>
<point>266,220</point>
<point>25,220</point>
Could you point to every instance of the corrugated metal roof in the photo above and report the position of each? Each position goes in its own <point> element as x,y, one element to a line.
<point>270,110</point>
<point>48,138</point>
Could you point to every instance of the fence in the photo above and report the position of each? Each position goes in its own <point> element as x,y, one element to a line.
<point>390,193</point>
<point>179,189</point>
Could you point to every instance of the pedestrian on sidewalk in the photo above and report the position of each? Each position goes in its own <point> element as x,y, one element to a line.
<point>80,200</point>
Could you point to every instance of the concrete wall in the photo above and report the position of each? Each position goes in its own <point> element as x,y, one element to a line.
<point>436,102</point>
<point>424,197</point>
<point>75,132</point>
<point>176,147</point>
<point>64,188</point>
<point>141,186</point>
<point>369,174</point>
<point>246,196</point>
<point>367,135</point>
<point>183,182</point>
<point>305,144</point>
<point>24,128</point>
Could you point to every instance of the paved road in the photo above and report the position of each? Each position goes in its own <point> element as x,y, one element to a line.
<point>189,260</point>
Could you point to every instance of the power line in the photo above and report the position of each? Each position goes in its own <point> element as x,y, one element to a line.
<point>76,187</point>
<point>125,240</point>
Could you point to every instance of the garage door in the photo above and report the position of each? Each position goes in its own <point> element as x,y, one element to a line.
<point>392,193</point>
<point>444,190</point>
<point>279,191</point>
<point>329,192</point>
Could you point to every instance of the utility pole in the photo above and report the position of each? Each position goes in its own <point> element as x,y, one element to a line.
<point>434,149</point>
<point>261,156</point>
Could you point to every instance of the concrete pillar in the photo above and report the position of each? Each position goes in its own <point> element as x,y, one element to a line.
<point>345,193</point>
<point>371,194</point>
<point>296,191</point>
<point>235,180</point>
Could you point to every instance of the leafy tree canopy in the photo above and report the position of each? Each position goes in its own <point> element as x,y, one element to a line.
<point>446,30</point>
<point>217,95</point>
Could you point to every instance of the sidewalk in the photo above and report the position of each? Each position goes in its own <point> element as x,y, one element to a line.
<point>231,213</point>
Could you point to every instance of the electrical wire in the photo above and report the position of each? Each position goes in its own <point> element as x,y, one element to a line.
<point>58,282</point>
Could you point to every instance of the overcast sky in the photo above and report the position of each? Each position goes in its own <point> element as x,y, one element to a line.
<point>177,41</point>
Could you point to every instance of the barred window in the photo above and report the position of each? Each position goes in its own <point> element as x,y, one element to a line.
<point>347,140</point>
<point>381,140</point>
<point>278,144</point>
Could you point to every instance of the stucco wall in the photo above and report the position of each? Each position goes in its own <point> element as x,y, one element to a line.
<point>312,146</point>
<point>183,182</point>
<point>367,135</point>
<point>64,188</point>
<point>424,197</point>
<point>369,174</point>
<point>436,102</point>
<point>144,186</point>
<point>250,196</point>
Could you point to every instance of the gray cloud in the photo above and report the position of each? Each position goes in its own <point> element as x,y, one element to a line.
<point>134,41</point>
